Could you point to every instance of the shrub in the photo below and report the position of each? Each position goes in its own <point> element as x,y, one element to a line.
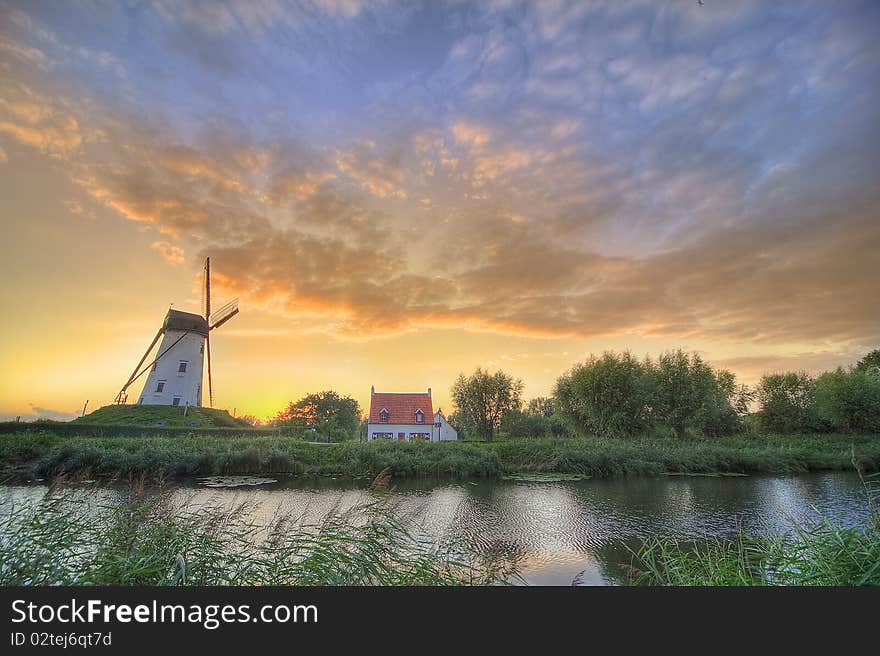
<point>687,394</point>
<point>787,403</point>
<point>849,401</point>
<point>606,395</point>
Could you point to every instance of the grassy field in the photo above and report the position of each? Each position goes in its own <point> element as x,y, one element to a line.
<point>44,455</point>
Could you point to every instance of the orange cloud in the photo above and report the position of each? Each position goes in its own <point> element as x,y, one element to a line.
<point>169,252</point>
<point>381,176</point>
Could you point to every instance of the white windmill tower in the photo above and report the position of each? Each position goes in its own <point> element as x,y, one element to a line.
<point>176,374</point>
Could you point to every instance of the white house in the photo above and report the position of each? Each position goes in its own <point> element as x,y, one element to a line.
<point>406,416</point>
<point>176,376</point>
<point>442,429</point>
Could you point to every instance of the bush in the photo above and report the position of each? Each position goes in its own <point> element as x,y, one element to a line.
<point>849,401</point>
<point>517,424</point>
<point>617,395</point>
<point>606,395</point>
<point>788,403</point>
<point>688,395</point>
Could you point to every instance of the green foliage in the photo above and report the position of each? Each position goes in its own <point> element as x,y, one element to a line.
<point>542,406</point>
<point>617,395</point>
<point>517,424</point>
<point>145,541</point>
<point>871,362</point>
<point>688,394</point>
<point>45,456</point>
<point>849,401</point>
<point>327,413</point>
<point>160,415</point>
<point>482,399</point>
<point>787,403</point>
<point>607,395</point>
<point>837,400</point>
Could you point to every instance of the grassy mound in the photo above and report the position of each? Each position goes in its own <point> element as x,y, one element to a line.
<point>160,415</point>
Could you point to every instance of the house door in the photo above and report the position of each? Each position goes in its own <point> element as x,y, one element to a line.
<point>401,436</point>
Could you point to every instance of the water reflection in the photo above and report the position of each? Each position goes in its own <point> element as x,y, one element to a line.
<point>557,533</point>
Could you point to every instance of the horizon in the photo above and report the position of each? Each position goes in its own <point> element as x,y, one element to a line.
<point>400,193</point>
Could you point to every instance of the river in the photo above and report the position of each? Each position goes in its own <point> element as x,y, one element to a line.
<point>557,533</point>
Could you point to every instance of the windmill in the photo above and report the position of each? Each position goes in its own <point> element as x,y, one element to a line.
<point>176,374</point>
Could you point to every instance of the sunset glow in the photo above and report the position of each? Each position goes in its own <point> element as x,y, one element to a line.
<point>401,192</point>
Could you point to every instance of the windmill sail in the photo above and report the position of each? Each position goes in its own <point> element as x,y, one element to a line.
<point>224,314</point>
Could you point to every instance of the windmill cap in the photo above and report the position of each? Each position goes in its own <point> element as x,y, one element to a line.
<point>186,321</point>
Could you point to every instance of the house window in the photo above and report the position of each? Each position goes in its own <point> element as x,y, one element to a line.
<point>420,417</point>
<point>383,416</point>
<point>175,400</point>
<point>420,436</point>
<point>382,436</point>
<point>160,387</point>
<point>181,369</point>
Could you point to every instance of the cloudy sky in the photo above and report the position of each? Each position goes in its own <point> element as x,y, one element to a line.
<point>399,192</point>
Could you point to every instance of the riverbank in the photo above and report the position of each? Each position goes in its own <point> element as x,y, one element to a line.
<point>45,455</point>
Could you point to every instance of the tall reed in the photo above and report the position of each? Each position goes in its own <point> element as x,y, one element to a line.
<point>819,554</point>
<point>75,538</point>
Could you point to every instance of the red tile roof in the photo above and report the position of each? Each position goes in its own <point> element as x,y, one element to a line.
<point>401,407</point>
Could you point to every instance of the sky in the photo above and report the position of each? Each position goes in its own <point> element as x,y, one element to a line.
<point>401,192</point>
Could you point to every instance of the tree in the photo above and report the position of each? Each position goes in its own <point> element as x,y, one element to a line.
<point>617,395</point>
<point>482,398</point>
<point>327,413</point>
<point>787,403</point>
<point>850,400</point>
<point>251,420</point>
<point>541,406</point>
<point>605,395</point>
<point>688,394</point>
<point>870,362</point>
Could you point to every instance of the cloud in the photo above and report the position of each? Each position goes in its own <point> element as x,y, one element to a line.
<point>379,173</point>
<point>643,170</point>
<point>474,135</point>
<point>35,122</point>
<point>38,412</point>
<point>169,252</point>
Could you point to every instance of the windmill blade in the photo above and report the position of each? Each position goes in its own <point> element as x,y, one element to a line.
<point>134,374</point>
<point>206,290</point>
<point>210,381</point>
<point>224,314</point>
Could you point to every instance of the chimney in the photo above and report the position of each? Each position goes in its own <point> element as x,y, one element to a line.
<point>429,391</point>
<point>372,389</point>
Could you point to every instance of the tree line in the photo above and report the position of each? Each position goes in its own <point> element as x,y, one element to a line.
<point>616,394</point>
<point>678,394</point>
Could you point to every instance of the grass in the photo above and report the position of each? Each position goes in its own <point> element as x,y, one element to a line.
<point>66,539</point>
<point>822,554</point>
<point>160,415</point>
<point>44,455</point>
